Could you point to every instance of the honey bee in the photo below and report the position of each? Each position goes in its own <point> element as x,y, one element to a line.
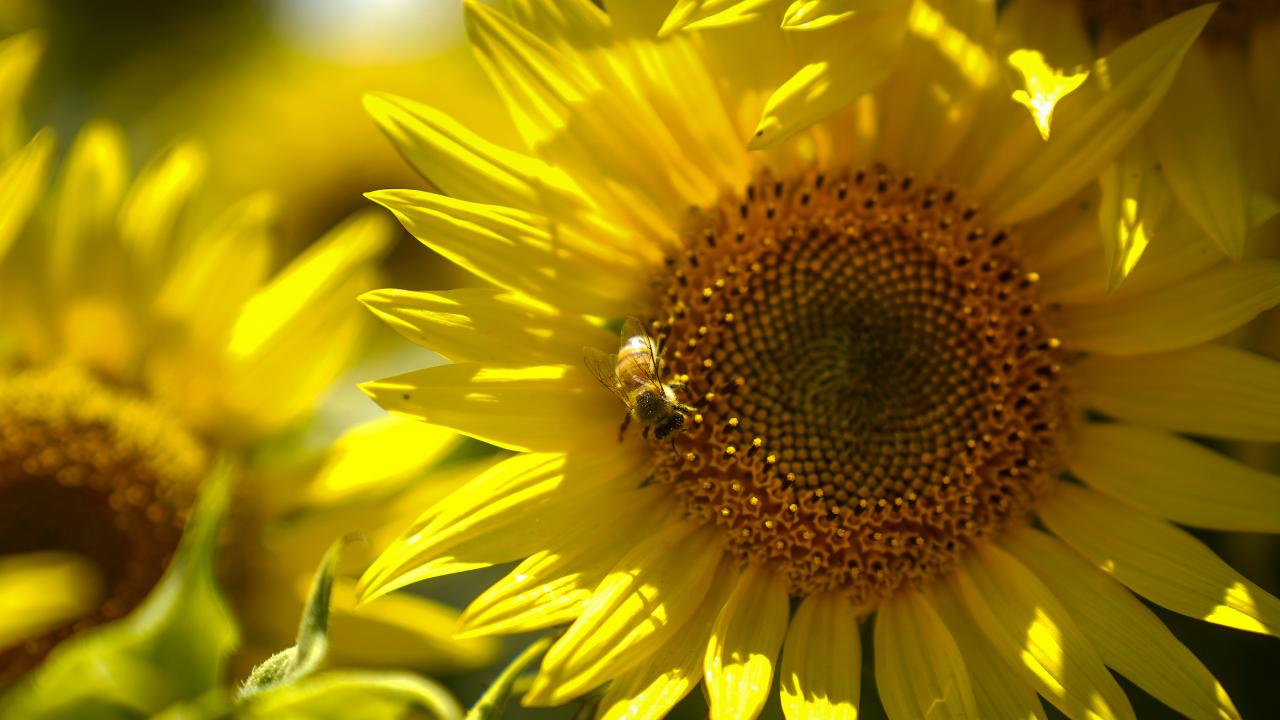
<point>632,374</point>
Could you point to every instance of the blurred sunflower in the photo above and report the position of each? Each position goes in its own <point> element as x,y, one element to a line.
<point>899,352</point>
<point>138,344</point>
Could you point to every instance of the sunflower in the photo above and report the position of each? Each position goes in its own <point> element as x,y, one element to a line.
<point>891,388</point>
<point>141,342</point>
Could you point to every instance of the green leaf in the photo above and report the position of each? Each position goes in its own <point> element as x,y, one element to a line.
<point>286,684</point>
<point>171,649</point>
<point>312,646</point>
<point>352,695</point>
<point>491,705</point>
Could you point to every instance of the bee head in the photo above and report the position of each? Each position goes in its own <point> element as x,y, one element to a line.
<point>672,424</point>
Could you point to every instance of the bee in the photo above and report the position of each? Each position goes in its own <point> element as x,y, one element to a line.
<point>632,374</point>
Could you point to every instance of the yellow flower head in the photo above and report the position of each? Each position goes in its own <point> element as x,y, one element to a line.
<point>139,340</point>
<point>857,365</point>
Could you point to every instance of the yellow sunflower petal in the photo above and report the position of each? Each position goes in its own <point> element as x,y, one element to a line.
<point>652,689</point>
<point>18,57</point>
<point>465,165</point>
<point>1264,78</point>
<point>402,631</point>
<point>1128,636</point>
<point>744,645</point>
<point>42,591</point>
<point>1027,624</point>
<point>482,325</point>
<point>1158,561</point>
<point>997,147</point>
<point>375,458</point>
<point>1201,308</point>
<point>93,181</point>
<point>1179,252</point>
<point>1196,146</point>
<point>1094,123</point>
<point>658,162</point>
<point>529,408</point>
<point>706,14</point>
<point>297,333</point>
<point>818,14</point>
<point>1134,196</point>
<point>919,669</point>
<point>210,283</point>
<point>862,61</point>
<point>545,590</point>
<point>153,203</point>
<point>945,63</point>
<point>821,670</point>
<point>649,595</point>
<point>287,300</point>
<point>513,249</point>
<point>510,511</point>
<point>553,586</point>
<point>22,180</point>
<point>1042,86</point>
<point>999,687</point>
<point>1175,478</point>
<point>1210,389</point>
<point>578,23</point>
<point>636,18</point>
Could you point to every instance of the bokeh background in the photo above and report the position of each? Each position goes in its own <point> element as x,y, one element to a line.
<point>273,90</point>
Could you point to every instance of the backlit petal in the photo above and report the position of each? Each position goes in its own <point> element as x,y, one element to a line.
<point>1203,307</point>
<point>1128,636</point>
<point>920,672</point>
<point>744,645</point>
<point>642,603</point>
<point>1213,390</point>
<point>1095,122</point>
<point>1026,624</point>
<point>1198,151</point>
<point>546,407</point>
<point>1162,563</point>
<point>821,670</point>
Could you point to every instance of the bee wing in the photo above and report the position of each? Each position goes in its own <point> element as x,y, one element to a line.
<point>632,327</point>
<point>604,366</point>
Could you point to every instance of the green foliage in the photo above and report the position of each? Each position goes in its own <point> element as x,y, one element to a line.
<point>493,703</point>
<point>171,650</point>
<point>287,685</point>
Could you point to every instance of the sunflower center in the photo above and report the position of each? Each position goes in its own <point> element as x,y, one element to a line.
<point>1232,22</point>
<point>874,383</point>
<point>90,470</point>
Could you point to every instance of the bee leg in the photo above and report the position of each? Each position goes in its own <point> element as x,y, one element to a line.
<point>622,431</point>
<point>645,433</point>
